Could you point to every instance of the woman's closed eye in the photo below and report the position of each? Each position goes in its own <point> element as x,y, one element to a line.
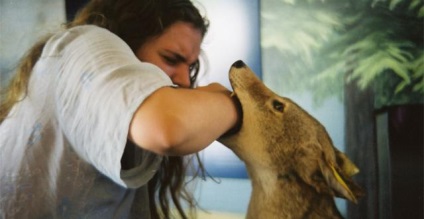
<point>171,60</point>
<point>174,60</point>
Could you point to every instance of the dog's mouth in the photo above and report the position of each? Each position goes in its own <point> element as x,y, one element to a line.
<point>239,108</point>
<point>235,83</point>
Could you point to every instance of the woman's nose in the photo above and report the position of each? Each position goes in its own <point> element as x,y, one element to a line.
<point>181,76</point>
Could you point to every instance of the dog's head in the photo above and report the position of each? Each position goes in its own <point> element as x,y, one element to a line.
<point>278,135</point>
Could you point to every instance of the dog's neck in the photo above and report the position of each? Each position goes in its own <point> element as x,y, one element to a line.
<point>281,196</point>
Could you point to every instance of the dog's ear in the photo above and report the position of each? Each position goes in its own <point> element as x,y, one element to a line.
<point>347,166</point>
<point>340,182</point>
<point>319,170</point>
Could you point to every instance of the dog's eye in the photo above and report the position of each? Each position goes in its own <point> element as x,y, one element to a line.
<point>278,105</point>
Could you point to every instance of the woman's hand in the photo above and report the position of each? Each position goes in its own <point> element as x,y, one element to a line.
<point>179,121</point>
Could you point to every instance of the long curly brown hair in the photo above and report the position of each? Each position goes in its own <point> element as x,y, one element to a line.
<point>134,21</point>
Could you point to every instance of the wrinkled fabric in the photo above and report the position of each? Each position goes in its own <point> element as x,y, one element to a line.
<point>61,146</point>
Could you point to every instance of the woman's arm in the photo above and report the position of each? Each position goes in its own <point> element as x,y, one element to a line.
<point>178,121</point>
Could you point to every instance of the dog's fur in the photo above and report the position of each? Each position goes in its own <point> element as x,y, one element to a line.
<point>294,168</point>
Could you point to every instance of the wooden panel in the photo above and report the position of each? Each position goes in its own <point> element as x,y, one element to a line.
<point>361,148</point>
<point>406,160</point>
<point>387,146</point>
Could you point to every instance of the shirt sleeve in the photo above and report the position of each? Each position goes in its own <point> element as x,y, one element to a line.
<point>99,86</point>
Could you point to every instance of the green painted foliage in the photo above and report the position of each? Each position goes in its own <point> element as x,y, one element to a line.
<point>352,41</point>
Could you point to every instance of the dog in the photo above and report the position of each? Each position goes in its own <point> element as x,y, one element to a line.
<point>294,168</point>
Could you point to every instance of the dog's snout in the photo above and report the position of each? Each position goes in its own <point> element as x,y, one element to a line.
<point>239,64</point>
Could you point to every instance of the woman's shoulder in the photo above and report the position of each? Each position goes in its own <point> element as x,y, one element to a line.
<point>83,31</point>
<point>89,31</point>
<point>81,36</point>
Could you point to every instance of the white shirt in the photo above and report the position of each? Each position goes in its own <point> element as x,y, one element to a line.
<point>61,146</point>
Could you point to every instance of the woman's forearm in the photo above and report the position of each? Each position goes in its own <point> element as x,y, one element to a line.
<point>177,121</point>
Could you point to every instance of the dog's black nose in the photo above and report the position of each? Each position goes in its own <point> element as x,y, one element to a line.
<point>239,64</point>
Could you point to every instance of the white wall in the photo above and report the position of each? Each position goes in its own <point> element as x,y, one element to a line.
<point>22,22</point>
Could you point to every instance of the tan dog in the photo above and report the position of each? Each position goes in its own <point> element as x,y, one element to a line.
<point>294,167</point>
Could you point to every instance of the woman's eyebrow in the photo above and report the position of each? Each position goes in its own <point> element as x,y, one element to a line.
<point>179,57</point>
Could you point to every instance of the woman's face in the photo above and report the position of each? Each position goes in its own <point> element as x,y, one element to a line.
<point>175,51</point>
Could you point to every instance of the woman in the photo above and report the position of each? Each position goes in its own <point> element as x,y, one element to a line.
<point>99,115</point>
